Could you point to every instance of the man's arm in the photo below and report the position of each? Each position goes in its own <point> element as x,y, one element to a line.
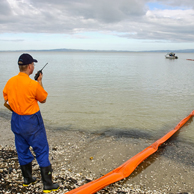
<point>40,82</point>
<point>6,104</point>
<point>43,101</point>
<point>40,79</point>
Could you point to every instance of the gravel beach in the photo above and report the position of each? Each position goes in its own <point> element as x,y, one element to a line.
<point>79,157</point>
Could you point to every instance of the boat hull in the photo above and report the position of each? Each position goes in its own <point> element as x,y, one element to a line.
<point>171,57</point>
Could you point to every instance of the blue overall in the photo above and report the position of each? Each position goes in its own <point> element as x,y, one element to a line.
<point>29,131</point>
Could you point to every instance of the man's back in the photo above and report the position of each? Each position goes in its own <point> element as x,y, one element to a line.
<point>23,94</point>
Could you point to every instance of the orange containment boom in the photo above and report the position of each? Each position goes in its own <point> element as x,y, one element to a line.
<point>128,167</point>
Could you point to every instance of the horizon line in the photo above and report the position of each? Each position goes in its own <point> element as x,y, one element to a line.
<point>93,50</point>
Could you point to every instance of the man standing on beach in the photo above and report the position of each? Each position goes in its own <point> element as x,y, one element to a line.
<point>22,94</point>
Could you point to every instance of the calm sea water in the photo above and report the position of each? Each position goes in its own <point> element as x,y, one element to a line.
<point>96,91</point>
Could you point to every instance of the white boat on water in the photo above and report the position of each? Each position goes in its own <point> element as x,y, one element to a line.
<point>171,56</point>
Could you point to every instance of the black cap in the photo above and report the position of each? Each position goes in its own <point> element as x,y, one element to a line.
<point>26,59</point>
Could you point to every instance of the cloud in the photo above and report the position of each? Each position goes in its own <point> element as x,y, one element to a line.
<point>174,25</point>
<point>105,11</point>
<point>181,3</point>
<point>4,8</point>
<point>5,13</point>
<point>12,40</point>
<point>64,16</point>
<point>124,18</point>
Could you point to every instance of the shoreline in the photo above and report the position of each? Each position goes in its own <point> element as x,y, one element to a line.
<point>78,157</point>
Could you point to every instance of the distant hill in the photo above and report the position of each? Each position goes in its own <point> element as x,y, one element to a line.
<point>82,50</point>
<point>175,51</point>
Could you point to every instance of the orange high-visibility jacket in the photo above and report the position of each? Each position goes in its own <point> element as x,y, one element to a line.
<point>23,94</point>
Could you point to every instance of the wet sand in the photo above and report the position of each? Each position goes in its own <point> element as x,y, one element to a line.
<point>78,157</point>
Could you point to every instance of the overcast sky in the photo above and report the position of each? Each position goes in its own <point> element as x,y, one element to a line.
<point>133,25</point>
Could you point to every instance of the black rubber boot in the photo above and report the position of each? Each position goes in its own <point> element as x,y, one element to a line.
<point>27,174</point>
<point>48,185</point>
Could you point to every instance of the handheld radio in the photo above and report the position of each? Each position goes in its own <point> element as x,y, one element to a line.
<point>38,73</point>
